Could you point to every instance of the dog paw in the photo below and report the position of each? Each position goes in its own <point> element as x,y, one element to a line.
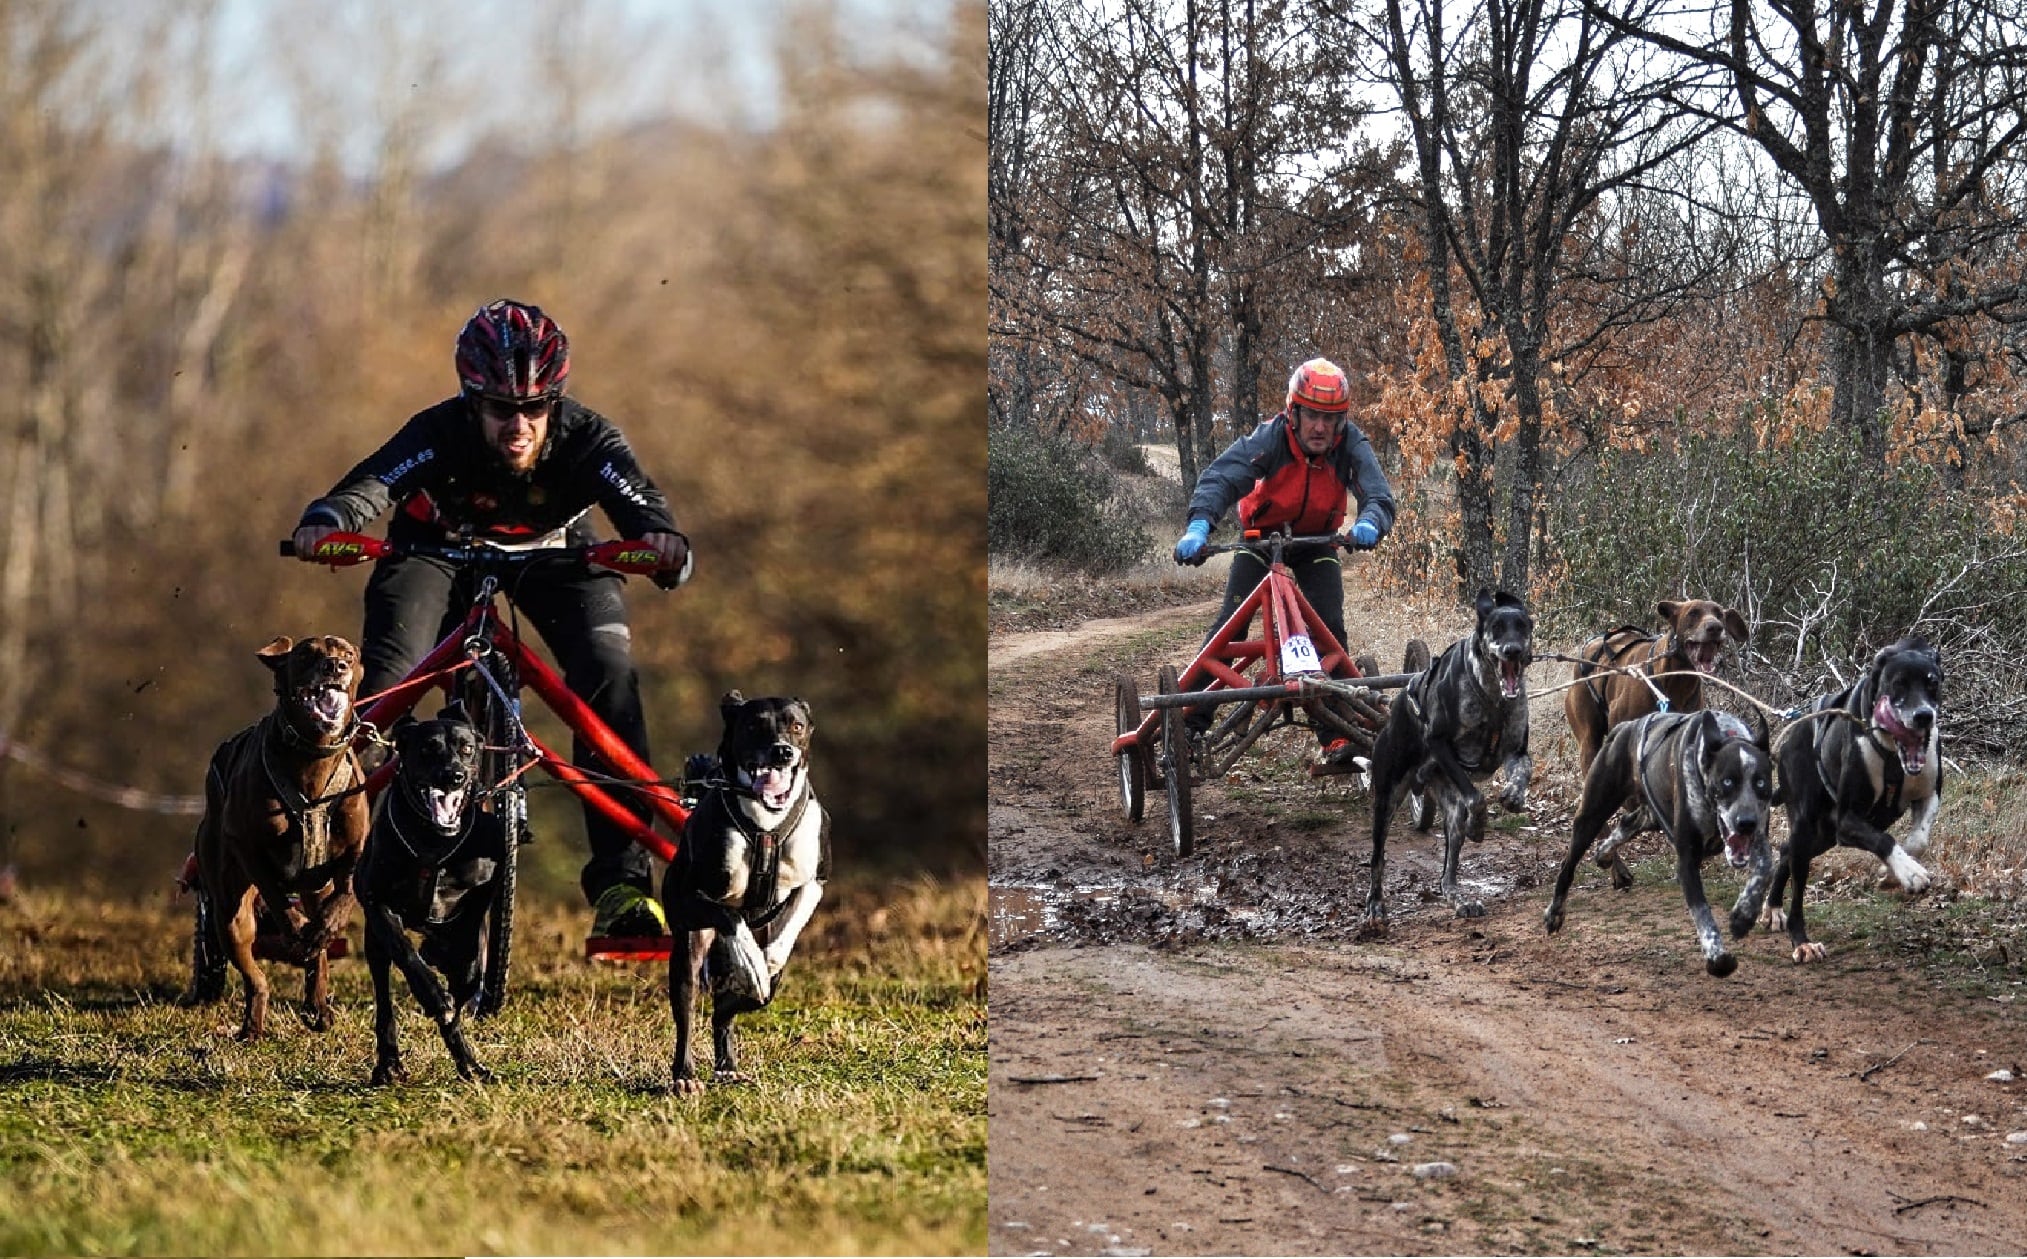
<point>721,1078</point>
<point>1372,926</point>
<point>689,1086</point>
<point>1514,801</point>
<point>1776,919</point>
<point>1742,925</point>
<point>1552,918</point>
<point>1810,952</point>
<point>388,1072</point>
<point>475,1072</point>
<point>1721,965</point>
<point>1622,874</point>
<point>1470,909</point>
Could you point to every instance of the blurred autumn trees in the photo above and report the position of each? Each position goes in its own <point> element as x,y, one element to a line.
<point>1543,233</point>
<point>780,304</point>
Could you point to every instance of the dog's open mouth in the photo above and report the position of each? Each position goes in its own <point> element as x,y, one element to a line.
<point>328,706</point>
<point>1738,849</point>
<point>445,806</point>
<point>1704,655</point>
<point>1913,748</point>
<point>1509,677</point>
<point>774,786</point>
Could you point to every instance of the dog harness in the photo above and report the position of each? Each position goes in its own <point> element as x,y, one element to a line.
<point>1646,666</point>
<point>429,870</point>
<point>763,851</point>
<point>310,817</point>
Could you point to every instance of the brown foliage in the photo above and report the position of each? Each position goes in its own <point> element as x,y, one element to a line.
<point>786,321</point>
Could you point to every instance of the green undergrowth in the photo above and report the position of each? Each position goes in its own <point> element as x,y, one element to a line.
<point>132,1126</point>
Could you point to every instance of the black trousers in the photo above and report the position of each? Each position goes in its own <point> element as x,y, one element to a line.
<point>1321,579</point>
<point>412,602</point>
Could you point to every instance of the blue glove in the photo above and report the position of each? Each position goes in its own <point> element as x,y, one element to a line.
<point>1189,548</point>
<point>1366,534</point>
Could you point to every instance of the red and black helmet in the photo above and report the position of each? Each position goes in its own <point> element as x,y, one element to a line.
<point>1320,385</point>
<point>512,352</point>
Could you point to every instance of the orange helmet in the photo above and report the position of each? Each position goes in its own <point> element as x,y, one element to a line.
<point>1320,385</point>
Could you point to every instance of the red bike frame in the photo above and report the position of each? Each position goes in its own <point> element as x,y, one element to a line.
<point>448,656</point>
<point>1284,612</point>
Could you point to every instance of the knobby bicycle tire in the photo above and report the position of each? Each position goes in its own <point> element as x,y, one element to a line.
<point>510,807</point>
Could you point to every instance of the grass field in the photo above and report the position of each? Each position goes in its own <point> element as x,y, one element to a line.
<point>130,1126</point>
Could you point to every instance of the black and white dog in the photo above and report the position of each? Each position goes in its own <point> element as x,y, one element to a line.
<point>1846,778</point>
<point>1447,730</point>
<point>1708,780</point>
<point>749,874</point>
<point>431,866</point>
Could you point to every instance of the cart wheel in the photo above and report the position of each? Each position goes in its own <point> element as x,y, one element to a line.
<point>1176,767</point>
<point>1133,761</point>
<point>1416,659</point>
<point>1368,666</point>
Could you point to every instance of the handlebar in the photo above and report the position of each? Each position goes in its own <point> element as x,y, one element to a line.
<point>1267,542</point>
<point>342,550</point>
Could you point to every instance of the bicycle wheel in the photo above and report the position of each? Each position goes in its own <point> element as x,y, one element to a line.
<point>509,807</point>
<point>1132,762</point>
<point>1176,767</point>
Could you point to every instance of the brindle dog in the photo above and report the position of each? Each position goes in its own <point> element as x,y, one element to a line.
<point>1448,729</point>
<point>284,823</point>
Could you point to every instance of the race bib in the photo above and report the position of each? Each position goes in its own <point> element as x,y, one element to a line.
<point>1298,655</point>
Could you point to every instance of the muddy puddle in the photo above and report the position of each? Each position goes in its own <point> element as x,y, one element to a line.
<point>1243,895</point>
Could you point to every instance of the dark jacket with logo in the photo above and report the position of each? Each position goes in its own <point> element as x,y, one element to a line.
<point>1275,484</point>
<point>439,471</point>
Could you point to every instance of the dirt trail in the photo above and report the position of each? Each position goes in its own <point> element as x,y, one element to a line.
<point>1196,1057</point>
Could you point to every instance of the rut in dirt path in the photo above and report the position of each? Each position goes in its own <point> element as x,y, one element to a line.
<point>1254,1080</point>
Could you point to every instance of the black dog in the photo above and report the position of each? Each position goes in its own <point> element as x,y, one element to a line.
<point>430,867</point>
<point>748,875</point>
<point>1846,778</point>
<point>1446,731</point>
<point>1708,780</point>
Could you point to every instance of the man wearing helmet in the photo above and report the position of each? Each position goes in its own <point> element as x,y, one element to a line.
<point>511,460</point>
<point>1293,471</point>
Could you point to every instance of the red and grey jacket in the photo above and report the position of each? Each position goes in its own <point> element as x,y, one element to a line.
<point>1275,484</point>
<point>444,478</point>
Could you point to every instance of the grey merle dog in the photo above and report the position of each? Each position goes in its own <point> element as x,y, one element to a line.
<point>1846,778</point>
<point>1457,721</point>
<point>1708,782</point>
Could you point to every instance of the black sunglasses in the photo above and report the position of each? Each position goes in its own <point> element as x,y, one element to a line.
<point>519,406</point>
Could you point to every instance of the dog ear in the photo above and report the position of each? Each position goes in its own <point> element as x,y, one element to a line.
<point>454,711</point>
<point>402,730</point>
<point>729,705</point>
<point>1709,735</point>
<point>1507,599</point>
<point>1763,736</point>
<point>1484,604</point>
<point>1734,624</point>
<point>1666,610</point>
<point>276,652</point>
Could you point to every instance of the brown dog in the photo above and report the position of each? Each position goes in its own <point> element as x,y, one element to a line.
<point>284,823</point>
<point>1676,661</point>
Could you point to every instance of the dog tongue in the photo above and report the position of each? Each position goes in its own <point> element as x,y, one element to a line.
<point>329,705</point>
<point>1737,850</point>
<point>445,806</point>
<point>1704,656</point>
<point>771,785</point>
<point>1913,752</point>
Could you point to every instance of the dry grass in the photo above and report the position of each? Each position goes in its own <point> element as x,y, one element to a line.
<point>136,1127</point>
